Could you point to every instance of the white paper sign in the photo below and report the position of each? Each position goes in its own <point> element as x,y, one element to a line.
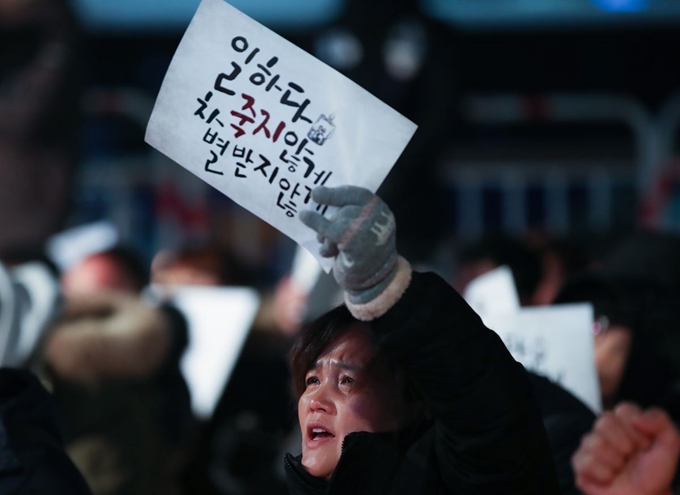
<point>556,342</point>
<point>219,319</point>
<point>494,292</point>
<point>265,122</point>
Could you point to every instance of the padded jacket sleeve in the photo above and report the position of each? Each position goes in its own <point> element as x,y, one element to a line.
<point>489,434</point>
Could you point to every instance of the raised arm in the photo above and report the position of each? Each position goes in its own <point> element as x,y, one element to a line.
<point>489,437</point>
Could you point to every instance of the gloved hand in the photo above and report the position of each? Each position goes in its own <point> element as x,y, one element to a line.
<point>361,236</point>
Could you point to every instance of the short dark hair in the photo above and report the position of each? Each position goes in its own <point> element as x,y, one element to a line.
<point>313,339</point>
<point>317,335</point>
<point>130,262</point>
<point>505,250</point>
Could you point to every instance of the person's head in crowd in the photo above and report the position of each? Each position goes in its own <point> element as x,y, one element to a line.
<point>493,252</point>
<point>637,320</point>
<point>343,385</point>
<point>205,265</point>
<point>117,269</point>
<point>560,259</point>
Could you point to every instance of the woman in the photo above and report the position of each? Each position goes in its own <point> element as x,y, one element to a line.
<point>406,339</point>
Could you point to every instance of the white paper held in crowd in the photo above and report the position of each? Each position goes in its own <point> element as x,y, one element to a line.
<point>493,292</point>
<point>211,356</point>
<point>556,342</point>
<point>265,122</point>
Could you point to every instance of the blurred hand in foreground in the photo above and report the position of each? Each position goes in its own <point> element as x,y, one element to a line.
<point>629,452</point>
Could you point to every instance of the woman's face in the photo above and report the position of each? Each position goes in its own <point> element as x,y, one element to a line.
<point>346,391</point>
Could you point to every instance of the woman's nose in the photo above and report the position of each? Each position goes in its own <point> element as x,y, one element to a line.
<point>322,401</point>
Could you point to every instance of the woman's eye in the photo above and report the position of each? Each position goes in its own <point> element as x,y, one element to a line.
<point>311,381</point>
<point>347,380</point>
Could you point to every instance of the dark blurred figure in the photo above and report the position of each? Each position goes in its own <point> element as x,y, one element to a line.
<point>637,331</point>
<point>39,104</point>
<point>407,60</point>
<point>539,267</point>
<point>560,260</point>
<point>637,340</point>
<point>566,420</point>
<point>493,252</point>
<point>243,443</point>
<point>113,361</point>
<point>32,457</point>
<point>239,448</point>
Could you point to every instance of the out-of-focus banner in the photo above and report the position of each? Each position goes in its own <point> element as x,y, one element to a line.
<point>172,15</point>
<point>493,292</point>
<point>265,122</point>
<point>554,341</point>
<point>219,319</point>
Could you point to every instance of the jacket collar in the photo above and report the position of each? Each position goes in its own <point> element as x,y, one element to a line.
<point>359,450</point>
<point>300,482</point>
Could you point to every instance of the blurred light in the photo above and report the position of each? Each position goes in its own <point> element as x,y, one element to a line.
<point>542,13</point>
<point>340,49</point>
<point>621,5</point>
<point>405,50</point>
<point>124,15</point>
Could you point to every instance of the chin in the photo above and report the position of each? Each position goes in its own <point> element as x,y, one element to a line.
<point>317,469</point>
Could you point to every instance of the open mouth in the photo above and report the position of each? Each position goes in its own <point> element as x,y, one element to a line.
<point>317,434</point>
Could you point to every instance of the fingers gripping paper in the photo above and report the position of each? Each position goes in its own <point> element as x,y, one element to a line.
<point>265,123</point>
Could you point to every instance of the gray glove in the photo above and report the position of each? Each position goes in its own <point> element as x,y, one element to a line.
<point>361,236</point>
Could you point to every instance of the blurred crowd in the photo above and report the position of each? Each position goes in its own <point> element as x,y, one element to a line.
<point>106,408</point>
<point>111,360</point>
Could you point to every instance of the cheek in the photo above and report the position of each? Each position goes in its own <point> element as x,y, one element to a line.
<point>368,413</point>
<point>303,406</point>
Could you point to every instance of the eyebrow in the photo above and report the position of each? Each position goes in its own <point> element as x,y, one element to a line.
<point>343,365</point>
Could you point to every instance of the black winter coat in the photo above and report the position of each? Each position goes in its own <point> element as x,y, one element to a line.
<point>486,436</point>
<point>567,420</point>
<point>32,457</point>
